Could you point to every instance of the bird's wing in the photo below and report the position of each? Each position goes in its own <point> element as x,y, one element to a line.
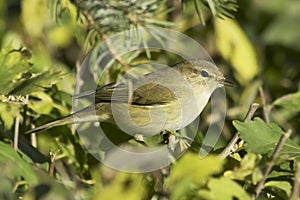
<point>149,89</point>
<point>146,94</point>
<point>152,93</point>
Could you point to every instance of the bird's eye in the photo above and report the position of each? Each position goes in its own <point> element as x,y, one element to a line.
<point>204,73</point>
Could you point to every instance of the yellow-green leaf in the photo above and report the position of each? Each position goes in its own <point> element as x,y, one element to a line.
<point>201,168</point>
<point>8,113</point>
<point>44,106</point>
<point>236,48</point>
<point>124,186</point>
<point>35,15</point>
<point>189,171</point>
<point>246,169</point>
<point>61,36</point>
<point>224,189</point>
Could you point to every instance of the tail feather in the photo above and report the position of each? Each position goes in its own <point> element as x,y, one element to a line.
<point>85,115</point>
<point>63,121</point>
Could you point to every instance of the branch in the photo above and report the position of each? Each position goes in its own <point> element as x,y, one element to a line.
<point>230,148</point>
<point>296,187</point>
<point>265,105</point>
<point>52,159</point>
<point>274,157</point>
<point>16,133</point>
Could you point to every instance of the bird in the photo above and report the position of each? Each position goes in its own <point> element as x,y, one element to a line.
<point>166,99</point>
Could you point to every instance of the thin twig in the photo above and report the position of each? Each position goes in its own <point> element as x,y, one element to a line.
<point>274,157</point>
<point>230,148</point>
<point>78,86</point>
<point>266,109</point>
<point>52,157</point>
<point>115,55</point>
<point>296,187</point>
<point>251,111</point>
<point>16,133</point>
<point>33,139</point>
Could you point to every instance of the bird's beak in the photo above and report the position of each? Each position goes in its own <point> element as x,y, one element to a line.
<point>225,82</point>
<point>229,83</point>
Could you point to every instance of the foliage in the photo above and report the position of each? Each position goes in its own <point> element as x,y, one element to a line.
<point>269,135</point>
<point>255,43</point>
<point>228,34</point>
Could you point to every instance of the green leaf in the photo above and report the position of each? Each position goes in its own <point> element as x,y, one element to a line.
<point>44,106</point>
<point>290,102</point>
<point>34,16</point>
<point>248,168</point>
<point>13,165</point>
<point>13,67</point>
<point>17,77</point>
<point>224,189</point>
<point>37,82</point>
<point>201,168</point>
<point>280,188</point>
<point>122,185</point>
<point>235,47</point>
<point>8,112</point>
<point>190,170</point>
<point>262,138</point>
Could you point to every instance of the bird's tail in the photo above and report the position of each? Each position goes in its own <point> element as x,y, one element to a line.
<point>85,115</point>
<point>63,121</point>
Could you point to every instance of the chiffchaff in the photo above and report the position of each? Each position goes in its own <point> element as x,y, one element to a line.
<point>167,99</point>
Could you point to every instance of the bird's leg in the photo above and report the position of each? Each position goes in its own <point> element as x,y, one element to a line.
<point>139,137</point>
<point>176,142</point>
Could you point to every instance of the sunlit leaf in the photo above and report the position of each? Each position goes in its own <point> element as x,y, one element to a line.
<point>35,14</point>
<point>190,170</point>
<point>37,82</point>
<point>124,186</point>
<point>224,189</point>
<point>65,12</point>
<point>44,105</point>
<point>60,36</point>
<point>201,167</point>
<point>13,67</point>
<point>236,48</point>
<point>247,168</point>
<point>17,77</point>
<point>262,138</point>
<point>8,112</point>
